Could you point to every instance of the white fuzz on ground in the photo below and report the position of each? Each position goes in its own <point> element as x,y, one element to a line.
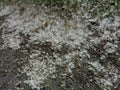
<point>50,28</point>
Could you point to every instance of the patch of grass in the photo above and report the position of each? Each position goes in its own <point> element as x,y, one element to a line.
<point>45,2</point>
<point>118,0</point>
<point>65,6</point>
<point>69,5</point>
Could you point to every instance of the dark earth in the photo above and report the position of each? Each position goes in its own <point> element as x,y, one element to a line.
<point>11,78</point>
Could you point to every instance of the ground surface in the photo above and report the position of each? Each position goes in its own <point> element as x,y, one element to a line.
<point>45,50</point>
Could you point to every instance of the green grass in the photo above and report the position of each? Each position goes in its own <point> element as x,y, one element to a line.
<point>60,3</point>
<point>55,2</point>
<point>43,1</point>
<point>118,0</point>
